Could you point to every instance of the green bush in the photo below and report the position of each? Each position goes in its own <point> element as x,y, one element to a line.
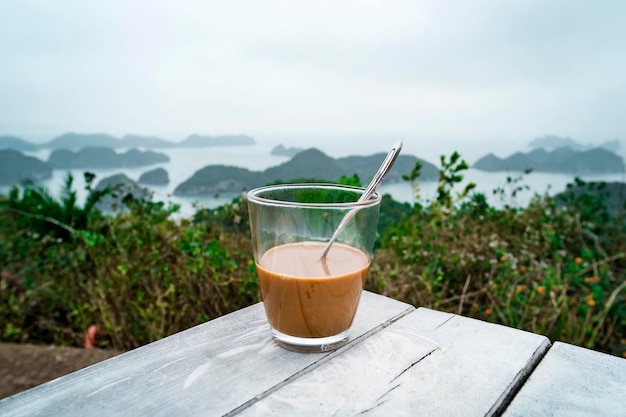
<point>137,275</point>
<point>550,269</point>
<point>553,267</point>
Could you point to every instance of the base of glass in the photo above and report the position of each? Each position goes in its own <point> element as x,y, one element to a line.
<point>310,344</point>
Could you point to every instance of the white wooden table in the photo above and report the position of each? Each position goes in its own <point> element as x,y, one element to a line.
<point>572,381</point>
<point>399,361</point>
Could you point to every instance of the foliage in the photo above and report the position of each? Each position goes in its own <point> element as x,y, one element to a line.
<point>449,176</point>
<point>413,177</point>
<point>42,214</point>
<point>513,187</point>
<point>353,181</point>
<point>552,267</point>
<point>139,275</point>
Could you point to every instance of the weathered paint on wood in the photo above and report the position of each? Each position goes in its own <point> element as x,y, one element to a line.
<point>573,381</point>
<point>428,363</point>
<point>212,369</point>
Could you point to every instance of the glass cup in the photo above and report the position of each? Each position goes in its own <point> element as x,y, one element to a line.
<point>310,301</point>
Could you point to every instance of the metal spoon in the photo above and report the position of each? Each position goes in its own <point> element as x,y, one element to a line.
<point>371,188</point>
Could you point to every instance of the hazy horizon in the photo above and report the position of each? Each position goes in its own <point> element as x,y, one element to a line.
<point>432,73</point>
<point>427,149</point>
<point>184,162</point>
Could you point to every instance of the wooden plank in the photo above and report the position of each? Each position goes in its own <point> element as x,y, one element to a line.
<point>211,369</point>
<point>573,381</point>
<point>428,363</point>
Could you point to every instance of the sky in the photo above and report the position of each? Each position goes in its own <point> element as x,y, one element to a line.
<point>422,70</point>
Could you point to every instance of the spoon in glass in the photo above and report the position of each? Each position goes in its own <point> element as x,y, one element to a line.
<point>371,188</point>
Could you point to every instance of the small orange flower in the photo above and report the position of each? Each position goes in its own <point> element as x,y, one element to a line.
<point>541,289</point>
<point>522,269</point>
<point>521,288</point>
<point>504,258</point>
<point>578,260</point>
<point>538,278</point>
<point>590,301</point>
<point>249,262</point>
<point>488,312</point>
<point>592,280</point>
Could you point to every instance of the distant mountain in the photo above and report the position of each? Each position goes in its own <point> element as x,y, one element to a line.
<point>612,145</point>
<point>122,186</point>
<point>93,157</point>
<point>544,157</point>
<point>75,141</point>
<point>158,176</point>
<point>215,179</point>
<point>310,164</point>
<point>280,150</point>
<point>136,141</point>
<point>17,144</point>
<point>15,168</point>
<point>551,142</point>
<point>79,140</point>
<point>561,160</point>
<point>198,141</point>
<point>366,166</point>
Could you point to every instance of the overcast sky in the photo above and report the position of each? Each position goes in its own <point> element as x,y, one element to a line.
<point>504,69</point>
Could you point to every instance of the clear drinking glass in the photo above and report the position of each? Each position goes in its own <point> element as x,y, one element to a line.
<point>310,301</point>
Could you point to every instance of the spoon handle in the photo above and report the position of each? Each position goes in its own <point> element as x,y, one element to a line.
<point>385,167</point>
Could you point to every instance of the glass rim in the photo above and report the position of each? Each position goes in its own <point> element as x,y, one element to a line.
<point>253,195</point>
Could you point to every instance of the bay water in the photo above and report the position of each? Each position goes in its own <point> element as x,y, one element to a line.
<point>184,162</point>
